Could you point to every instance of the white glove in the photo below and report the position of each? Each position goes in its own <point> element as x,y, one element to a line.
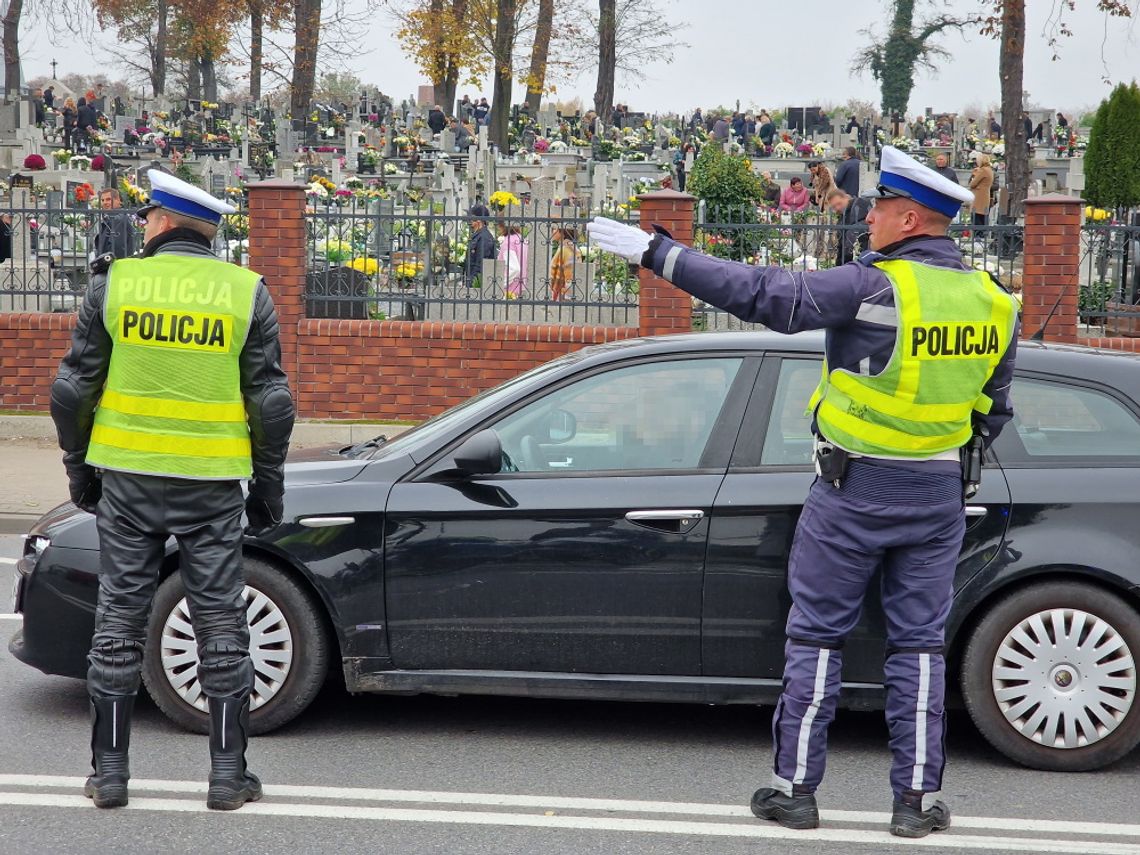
<point>629,242</point>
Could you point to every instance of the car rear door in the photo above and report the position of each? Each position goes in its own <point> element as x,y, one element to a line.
<point>588,554</point>
<point>746,598</point>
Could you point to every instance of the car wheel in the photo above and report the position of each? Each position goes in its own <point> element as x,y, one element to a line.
<point>288,646</point>
<point>1049,677</point>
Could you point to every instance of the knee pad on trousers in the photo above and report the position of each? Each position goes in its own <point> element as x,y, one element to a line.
<point>114,666</point>
<point>225,669</point>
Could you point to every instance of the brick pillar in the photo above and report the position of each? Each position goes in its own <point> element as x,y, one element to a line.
<point>663,308</point>
<point>277,252</point>
<point>1052,262</point>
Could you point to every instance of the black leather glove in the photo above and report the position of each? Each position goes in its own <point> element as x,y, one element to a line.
<point>263,513</point>
<point>85,486</point>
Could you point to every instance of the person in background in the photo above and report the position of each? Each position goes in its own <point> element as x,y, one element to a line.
<point>994,128</point>
<point>942,167</point>
<point>821,183</point>
<point>738,126</point>
<point>49,97</point>
<point>512,252</point>
<point>466,108</point>
<point>852,212</point>
<point>85,121</point>
<point>436,120</point>
<point>563,262</point>
<point>767,130</point>
<point>697,120</point>
<point>847,175</point>
<point>720,130</point>
<point>795,197</point>
<point>482,112</point>
<point>770,189</point>
<point>480,246</point>
<point>463,138</point>
<point>70,117</point>
<point>981,182</point>
<point>116,233</point>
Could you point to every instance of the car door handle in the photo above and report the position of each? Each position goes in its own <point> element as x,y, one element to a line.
<point>675,521</point>
<point>325,522</point>
<point>561,464</point>
<point>976,510</point>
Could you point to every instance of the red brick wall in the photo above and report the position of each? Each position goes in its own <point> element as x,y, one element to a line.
<point>414,369</point>
<point>31,346</point>
<point>1052,259</point>
<point>664,309</point>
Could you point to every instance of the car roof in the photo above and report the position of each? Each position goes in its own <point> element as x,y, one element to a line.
<point>1118,369</point>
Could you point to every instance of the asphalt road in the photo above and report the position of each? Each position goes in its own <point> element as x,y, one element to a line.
<point>478,775</point>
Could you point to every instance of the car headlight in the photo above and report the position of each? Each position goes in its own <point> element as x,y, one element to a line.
<point>35,545</point>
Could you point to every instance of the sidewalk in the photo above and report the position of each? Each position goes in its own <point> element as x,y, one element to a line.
<point>32,480</point>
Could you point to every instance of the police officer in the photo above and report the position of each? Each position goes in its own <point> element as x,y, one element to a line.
<point>918,362</point>
<point>171,394</point>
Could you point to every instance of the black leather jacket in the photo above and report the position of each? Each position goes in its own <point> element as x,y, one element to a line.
<point>264,385</point>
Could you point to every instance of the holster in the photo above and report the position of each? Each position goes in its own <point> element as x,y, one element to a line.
<point>830,461</point>
<point>973,456</point>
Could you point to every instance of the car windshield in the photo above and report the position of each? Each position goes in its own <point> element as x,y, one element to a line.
<point>436,425</point>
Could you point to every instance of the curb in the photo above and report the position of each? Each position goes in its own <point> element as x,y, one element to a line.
<point>17,523</point>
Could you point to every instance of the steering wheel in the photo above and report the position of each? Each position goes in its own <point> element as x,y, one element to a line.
<point>533,460</point>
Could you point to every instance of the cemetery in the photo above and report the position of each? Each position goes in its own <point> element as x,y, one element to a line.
<point>388,202</point>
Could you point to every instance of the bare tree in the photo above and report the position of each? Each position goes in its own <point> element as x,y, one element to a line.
<point>12,45</point>
<point>540,53</point>
<point>607,58</point>
<point>503,57</point>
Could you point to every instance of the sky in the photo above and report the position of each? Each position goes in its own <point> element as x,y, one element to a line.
<point>767,53</point>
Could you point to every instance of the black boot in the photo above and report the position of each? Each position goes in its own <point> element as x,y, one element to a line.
<point>231,785</point>
<point>798,812</point>
<point>910,821</point>
<point>110,742</point>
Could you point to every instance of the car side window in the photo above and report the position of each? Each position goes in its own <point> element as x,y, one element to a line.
<point>656,415</point>
<point>1056,420</point>
<point>788,440</point>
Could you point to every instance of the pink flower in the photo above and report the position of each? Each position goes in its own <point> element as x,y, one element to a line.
<point>35,161</point>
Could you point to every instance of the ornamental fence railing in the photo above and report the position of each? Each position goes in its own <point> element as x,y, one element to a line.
<point>1109,300</point>
<point>376,259</point>
<point>48,242</point>
<point>816,241</point>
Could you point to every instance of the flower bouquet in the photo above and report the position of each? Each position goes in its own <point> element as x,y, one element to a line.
<point>501,199</point>
<point>79,161</point>
<point>783,149</point>
<point>61,156</point>
<point>541,145</point>
<point>805,149</point>
<point>35,162</point>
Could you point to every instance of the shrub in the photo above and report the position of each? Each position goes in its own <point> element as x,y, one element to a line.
<point>1112,161</point>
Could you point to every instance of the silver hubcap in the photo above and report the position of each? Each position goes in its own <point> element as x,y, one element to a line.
<point>270,648</point>
<point>1064,678</point>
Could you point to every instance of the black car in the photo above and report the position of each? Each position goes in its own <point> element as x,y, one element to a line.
<point>616,523</point>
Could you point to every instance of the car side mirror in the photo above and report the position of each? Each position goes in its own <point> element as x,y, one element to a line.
<point>481,454</point>
<point>563,426</point>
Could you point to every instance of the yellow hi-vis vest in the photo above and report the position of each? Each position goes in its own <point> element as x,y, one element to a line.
<point>954,326</point>
<point>172,404</point>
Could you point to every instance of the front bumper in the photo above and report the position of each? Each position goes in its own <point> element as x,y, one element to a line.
<point>57,599</point>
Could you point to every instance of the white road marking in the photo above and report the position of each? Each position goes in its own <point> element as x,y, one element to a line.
<point>287,791</point>
<point>880,839</point>
<point>9,616</point>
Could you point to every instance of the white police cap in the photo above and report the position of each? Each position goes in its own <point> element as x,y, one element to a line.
<point>903,176</point>
<point>176,195</point>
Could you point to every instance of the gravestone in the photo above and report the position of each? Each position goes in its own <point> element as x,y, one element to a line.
<point>484,138</point>
<point>447,140</point>
<point>123,124</point>
<point>1075,182</point>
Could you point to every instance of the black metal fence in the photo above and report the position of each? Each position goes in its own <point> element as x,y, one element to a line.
<point>817,241</point>
<point>376,259</point>
<point>47,244</point>
<point>1110,278</point>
